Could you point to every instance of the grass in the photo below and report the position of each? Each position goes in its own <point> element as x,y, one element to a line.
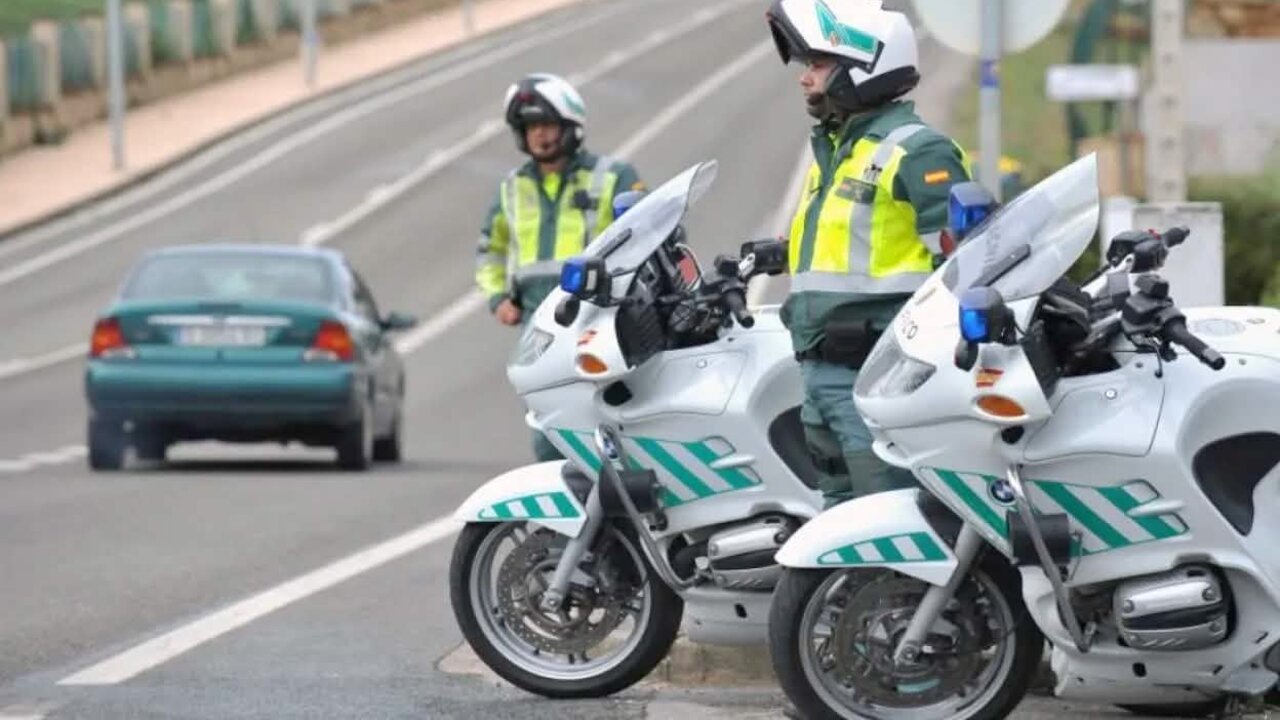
<point>17,15</point>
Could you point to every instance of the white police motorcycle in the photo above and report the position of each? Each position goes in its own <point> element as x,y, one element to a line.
<point>1093,472</point>
<point>687,471</point>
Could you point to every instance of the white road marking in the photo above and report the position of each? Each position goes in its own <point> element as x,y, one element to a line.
<point>20,366</point>
<point>441,322</point>
<point>158,650</point>
<point>279,149</point>
<point>777,223</point>
<point>439,159</point>
<point>693,98</point>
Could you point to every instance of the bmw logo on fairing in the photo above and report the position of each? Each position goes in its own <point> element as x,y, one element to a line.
<point>1001,491</point>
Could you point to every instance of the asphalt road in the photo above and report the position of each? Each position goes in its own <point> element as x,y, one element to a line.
<point>92,566</point>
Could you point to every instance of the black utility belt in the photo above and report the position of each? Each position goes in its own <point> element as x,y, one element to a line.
<point>848,342</point>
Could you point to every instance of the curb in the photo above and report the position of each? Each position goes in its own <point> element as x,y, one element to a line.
<point>693,665</point>
<point>320,96</point>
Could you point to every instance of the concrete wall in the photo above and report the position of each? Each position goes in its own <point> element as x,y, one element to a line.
<point>1232,108</point>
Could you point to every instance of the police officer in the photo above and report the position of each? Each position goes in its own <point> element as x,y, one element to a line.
<point>547,209</point>
<point>867,232</point>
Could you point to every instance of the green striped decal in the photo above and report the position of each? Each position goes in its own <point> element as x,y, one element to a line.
<point>887,549</point>
<point>671,465</point>
<point>1105,516</point>
<point>683,468</point>
<point>1082,514</point>
<point>733,476</point>
<point>581,450</point>
<point>542,506</point>
<point>1125,502</point>
<point>980,505</point>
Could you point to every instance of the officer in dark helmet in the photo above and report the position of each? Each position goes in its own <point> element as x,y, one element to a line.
<point>549,208</point>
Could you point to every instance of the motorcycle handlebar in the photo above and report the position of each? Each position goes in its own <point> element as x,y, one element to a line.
<point>1175,331</point>
<point>736,301</point>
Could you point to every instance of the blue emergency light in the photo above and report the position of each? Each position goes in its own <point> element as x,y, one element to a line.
<point>622,202</point>
<point>573,276</point>
<point>984,317</point>
<point>584,277</point>
<point>970,203</point>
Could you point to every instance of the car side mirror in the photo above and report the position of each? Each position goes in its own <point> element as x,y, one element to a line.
<point>398,321</point>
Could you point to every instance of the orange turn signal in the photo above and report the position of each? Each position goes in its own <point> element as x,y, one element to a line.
<point>592,365</point>
<point>1001,406</point>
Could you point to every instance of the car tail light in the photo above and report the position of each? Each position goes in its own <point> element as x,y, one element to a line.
<point>108,340</point>
<point>332,342</point>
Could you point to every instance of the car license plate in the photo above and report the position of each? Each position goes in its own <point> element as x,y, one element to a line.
<point>222,335</point>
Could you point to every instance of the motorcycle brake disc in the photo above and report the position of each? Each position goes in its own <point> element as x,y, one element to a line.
<point>585,619</point>
<point>875,617</point>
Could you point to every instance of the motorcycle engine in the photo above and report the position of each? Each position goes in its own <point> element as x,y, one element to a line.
<point>741,557</point>
<point>1183,609</point>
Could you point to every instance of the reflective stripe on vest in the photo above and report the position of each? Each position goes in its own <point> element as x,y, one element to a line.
<point>858,276</point>
<point>596,192</point>
<point>573,229</point>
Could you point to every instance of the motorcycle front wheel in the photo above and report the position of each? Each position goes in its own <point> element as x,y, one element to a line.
<point>832,636</point>
<point>616,624</point>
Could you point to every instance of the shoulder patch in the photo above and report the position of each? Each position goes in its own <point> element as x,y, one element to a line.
<point>933,177</point>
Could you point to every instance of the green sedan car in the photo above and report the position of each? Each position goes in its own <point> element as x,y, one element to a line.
<point>244,343</point>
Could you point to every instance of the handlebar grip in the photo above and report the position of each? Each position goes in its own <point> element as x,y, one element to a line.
<point>736,301</point>
<point>1176,332</point>
<point>1174,236</point>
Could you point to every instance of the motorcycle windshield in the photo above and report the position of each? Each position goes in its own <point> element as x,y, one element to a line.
<point>1028,244</point>
<point>627,243</point>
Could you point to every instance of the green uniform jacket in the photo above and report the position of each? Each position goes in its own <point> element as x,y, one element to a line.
<point>537,222</point>
<point>867,228</point>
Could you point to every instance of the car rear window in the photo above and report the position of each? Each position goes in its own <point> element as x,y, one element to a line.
<point>231,275</point>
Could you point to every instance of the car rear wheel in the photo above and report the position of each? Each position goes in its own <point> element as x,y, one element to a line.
<point>151,444</point>
<point>107,444</point>
<point>387,449</point>
<point>355,443</point>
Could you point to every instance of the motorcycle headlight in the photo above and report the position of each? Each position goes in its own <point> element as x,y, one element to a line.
<point>533,345</point>
<point>890,373</point>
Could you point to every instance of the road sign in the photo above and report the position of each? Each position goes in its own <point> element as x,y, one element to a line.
<point>958,23</point>
<point>1080,83</point>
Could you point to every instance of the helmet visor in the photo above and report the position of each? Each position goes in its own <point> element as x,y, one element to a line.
<point>786,38</point>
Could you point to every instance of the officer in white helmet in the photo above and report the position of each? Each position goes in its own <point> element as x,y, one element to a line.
<point>548,208</point>
<point>867,232</point>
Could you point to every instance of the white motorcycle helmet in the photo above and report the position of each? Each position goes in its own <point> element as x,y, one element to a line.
<point>542,97</point>
<point>874,48</point>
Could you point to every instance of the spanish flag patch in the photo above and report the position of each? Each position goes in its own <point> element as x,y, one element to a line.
<point>937,176</point>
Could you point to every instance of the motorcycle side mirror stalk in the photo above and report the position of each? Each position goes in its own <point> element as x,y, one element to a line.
<point>984,318</point>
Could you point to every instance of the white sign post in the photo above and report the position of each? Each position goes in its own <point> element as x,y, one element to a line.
<point>990,29</point>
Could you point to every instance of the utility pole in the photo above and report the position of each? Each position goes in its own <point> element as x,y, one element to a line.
<point>989,95</point>
<point>310,41</point>
<point>1166,159</point>
<point>115,81</point>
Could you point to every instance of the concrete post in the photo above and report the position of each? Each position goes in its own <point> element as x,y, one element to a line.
<point>266,14</point>
<point>4,92</point>
<point>138,19</point>
<point>95,33</point>
<point>44,35</point>
<point>182,29</point>
<point>223,15</point>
